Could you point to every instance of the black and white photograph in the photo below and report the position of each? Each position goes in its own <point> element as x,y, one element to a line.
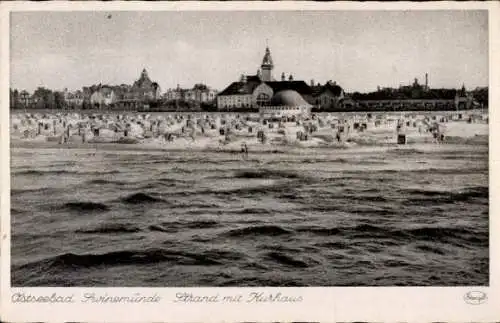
<point>249,148</point>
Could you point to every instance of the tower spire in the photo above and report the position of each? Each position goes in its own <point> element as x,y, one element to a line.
<point>267,66</point>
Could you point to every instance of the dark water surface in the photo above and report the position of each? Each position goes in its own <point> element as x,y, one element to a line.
<point>373,217</point>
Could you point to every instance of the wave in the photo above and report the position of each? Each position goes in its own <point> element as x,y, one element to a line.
<point>431,249</point>
<point>455,236</point>
<point>160,228</point>
<point>140,198</point>
<point>42,172</point>
<point>110,228</point>
<point>439,171</point>
<point>125,257</point>
<point>473,192</point>
<point>104,182</point>
<point>14,211</point>
<point>255,211</point>
<point>193,205</point>
<point>62,171</point>
<point>402,151</point>
<point>252,191</point>
<point>381,212</point>
<point>286,260</point>
<point>425,192</point>
<point>44,190</point>
<point>266,174</point>
<point>448,197</point>
<point>265,230</point>
<point>446,234</point>
<point>80,207</point>
<point>176,226</point>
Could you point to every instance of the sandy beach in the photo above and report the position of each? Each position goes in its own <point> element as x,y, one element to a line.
<point>231,132</point>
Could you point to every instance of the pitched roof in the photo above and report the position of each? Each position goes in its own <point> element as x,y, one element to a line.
<point>333,88</point>
<point>299,86</point>
<point>253,78</point>
<point>144,80</point>
<point>241,88</point>
<point>316,90</point>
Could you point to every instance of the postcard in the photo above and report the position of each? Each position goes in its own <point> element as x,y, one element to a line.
<point>249,162</point>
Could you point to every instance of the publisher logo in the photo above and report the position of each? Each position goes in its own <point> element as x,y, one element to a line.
<point>475,297</point>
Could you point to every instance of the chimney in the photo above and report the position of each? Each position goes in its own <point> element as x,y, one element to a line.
<point>426,81</point>
<point>290,78</point>
<point>283,76</point>
<point>312,82</point>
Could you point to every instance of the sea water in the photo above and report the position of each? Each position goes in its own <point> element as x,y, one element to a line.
<point>373,216</point>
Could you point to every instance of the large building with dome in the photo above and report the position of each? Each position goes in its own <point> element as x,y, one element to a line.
<point>259,90</point>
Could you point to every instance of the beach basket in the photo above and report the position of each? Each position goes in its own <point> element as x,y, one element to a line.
<point>401,139</point>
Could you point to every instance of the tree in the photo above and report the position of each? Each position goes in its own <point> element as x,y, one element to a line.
<point>14,99</point>
<point>481,95</point>
<point>44,98</point>
<point>59,102</point>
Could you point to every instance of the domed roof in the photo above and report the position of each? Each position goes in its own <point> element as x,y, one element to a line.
<point>288,98</point>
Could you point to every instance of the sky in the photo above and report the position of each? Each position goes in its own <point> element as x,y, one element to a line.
<point>360,50</point>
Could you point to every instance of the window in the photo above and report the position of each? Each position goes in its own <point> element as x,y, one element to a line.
<point>263,99</point>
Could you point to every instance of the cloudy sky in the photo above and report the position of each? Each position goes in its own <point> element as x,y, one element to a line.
<point>358,49</point>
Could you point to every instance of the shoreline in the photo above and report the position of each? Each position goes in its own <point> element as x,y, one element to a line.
<point>474,142</point>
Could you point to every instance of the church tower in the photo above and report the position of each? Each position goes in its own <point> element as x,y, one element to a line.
<point>267,66</point>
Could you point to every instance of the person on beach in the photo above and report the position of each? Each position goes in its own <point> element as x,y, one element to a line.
<point>244,150</point>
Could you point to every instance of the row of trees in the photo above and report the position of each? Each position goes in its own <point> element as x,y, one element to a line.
<point>42,98</point>
<point>404,93</point>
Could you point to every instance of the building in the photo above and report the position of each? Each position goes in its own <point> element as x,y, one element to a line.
<point>26,99</point>
<point>103,97</point>
<point>267,67</point>
<point>248,92</point>
<point>286,103</point>
<point>464,100</point>
<point>254,91</point>
<point>145,89</point>
<point>73,99</point>
<point>327,96</point>
<point>200,93</point>
<point>123,96</point>
<point>416,97</point>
